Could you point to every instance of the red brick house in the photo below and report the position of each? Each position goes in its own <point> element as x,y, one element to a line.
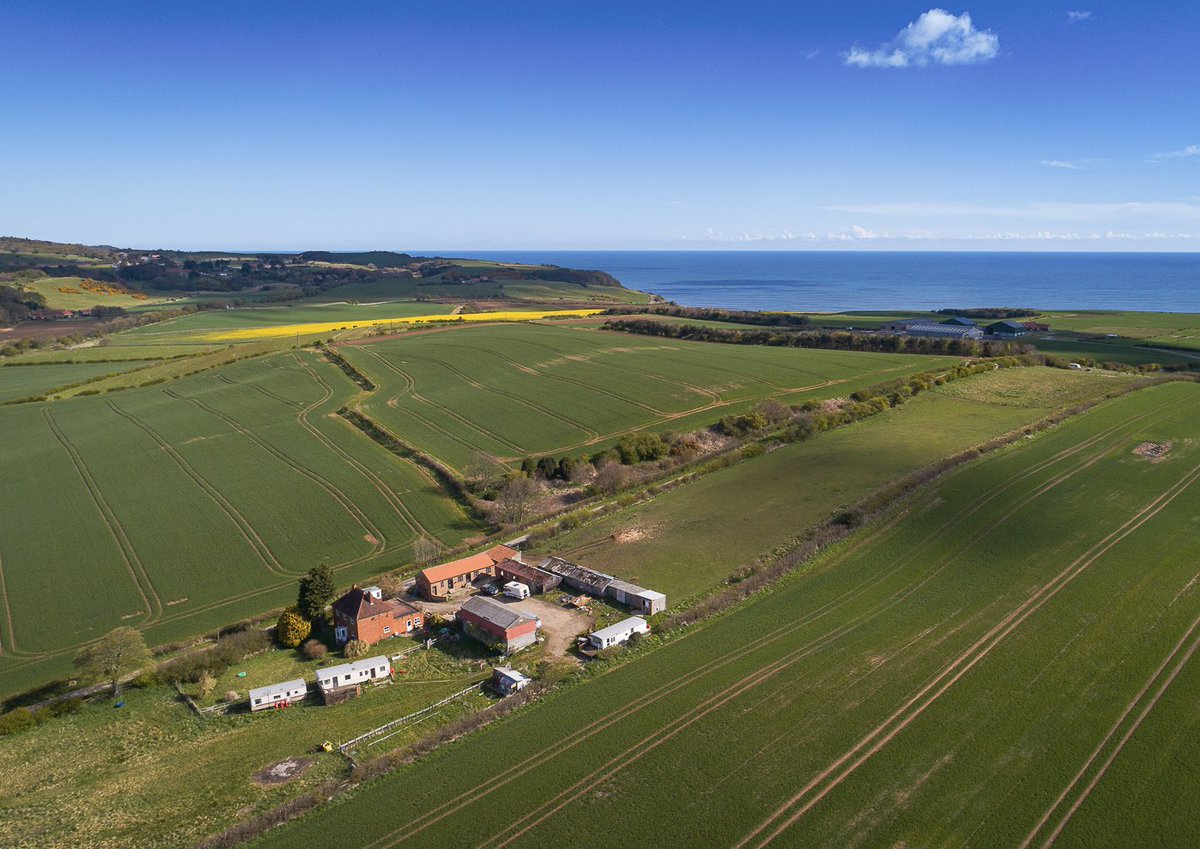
<point>437,583</point>
<point>362,615</point>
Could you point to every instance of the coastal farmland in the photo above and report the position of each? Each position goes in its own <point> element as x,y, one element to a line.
<point>181,507</point>
<point>1001,663</point>
<point>688,539</point>
<point>510,391</point>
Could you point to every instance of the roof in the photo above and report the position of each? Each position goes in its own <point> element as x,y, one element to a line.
<point>524,570</point>
<point>580,573</point>
<point>960,321</point>
<point>1008,325</point>
<point>632,623</point>
<point>474,563</point>
<point>352,667</point>
<point>360,604</point>
<point>945,327</point>
<point>498,614</point>
<point>296,684</point>
<point>510,674</point>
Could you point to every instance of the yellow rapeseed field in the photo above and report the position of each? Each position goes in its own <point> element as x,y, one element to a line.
<point>313,327</point>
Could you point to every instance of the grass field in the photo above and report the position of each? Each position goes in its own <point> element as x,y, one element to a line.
<point>514,390</point>
<point>23,381</point>
<point>184,506</point>
<point>686,540</point>
<point>531,292</point>
<point>1005,662</point>
<point>78,293</point>
<point>1181,330</point>
<point>95,778</point>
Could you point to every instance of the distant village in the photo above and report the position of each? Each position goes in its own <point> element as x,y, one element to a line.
<point>491,596</point>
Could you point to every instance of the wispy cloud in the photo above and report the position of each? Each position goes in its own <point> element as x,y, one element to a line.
<point>1061,163</point>
<point>1056,211</point>
<point>1190,150</point>
<point>935,38</point>
<point>1078,16</point>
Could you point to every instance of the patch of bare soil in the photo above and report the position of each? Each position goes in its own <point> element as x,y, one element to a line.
<point>282,772</point>
<point>370,538</point>
<point>1153,450</point>
<point>634,533</point>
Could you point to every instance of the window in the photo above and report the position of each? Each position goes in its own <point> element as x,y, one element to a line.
<point>387,629</point>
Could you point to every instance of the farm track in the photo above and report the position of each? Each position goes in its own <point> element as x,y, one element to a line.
<point>392,498</point>
<point>885,732</point>
<point>1147,705</point>
<point>245,528</point>
<point>538,758</point>
<point>141,580</point>
<point>352,510</point>
<point>10,631</point>
<point>262,390</point>
<point>760,676</point>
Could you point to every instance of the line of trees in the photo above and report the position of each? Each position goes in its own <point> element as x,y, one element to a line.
<point>765,319</point>
<point>834,340</point>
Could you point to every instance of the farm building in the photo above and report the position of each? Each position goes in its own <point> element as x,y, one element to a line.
<point>497,624</point>
<point>438,583</point>
<point>959,321</point>
<point>616,634</point>
<point>584,580</point>
<point>362,614</point>
<point>945,331</point>
<point>896,326</point>
<point>1006,329</point>
<point>1036,326</point>
<point>353,674</point>
<point>538,580</point>
<point>507,681</point>
<point>278,695</point>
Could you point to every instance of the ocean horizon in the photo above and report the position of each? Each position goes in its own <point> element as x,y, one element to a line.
<point>835,281</point>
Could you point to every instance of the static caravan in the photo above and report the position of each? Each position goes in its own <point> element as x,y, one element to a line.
<point>356,672</point>
<point>616,634</point>
<point>278,695</point>
<point>508,681</point>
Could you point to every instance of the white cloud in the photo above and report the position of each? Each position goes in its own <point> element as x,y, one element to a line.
<point>1057,211</point>
<point>936,37</point>
<point>1078,15</point>
<point>1190,150</point>
<point>1060,163</point>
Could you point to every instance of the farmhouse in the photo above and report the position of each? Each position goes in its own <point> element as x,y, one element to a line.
<point>278,695</point>
<point>437,583</point>
<point>1006,329</point>
<point>362,614</point>
<point>497,625</point>
<point>352,675</point>
<point>538,580</point>
<point>507,681</point>
<point>614,635</point>
<point>945,331</point>
<point>584,580</point>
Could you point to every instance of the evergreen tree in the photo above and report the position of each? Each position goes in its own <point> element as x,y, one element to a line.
<point>316,593</point>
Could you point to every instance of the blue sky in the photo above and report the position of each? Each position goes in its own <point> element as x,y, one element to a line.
<point>808,125</point>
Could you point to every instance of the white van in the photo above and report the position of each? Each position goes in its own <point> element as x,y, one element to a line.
<point>517,590</point>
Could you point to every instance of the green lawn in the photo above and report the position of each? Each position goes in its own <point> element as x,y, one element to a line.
<point>940,680</point>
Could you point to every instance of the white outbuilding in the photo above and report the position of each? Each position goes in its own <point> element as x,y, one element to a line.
<point>616,634</point>
<point>356,672</point>
<point>278,695</point>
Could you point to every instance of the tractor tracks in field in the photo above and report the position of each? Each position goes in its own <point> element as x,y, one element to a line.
<point>351,509</point>
<point>844,767</point>
<point>535,760</point>
<point>129,555</point>
<point>1099,768</point>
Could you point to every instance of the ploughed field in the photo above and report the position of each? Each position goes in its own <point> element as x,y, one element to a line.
<point>510,391</point>
<point>184,506</point>
<point>1008,660</point>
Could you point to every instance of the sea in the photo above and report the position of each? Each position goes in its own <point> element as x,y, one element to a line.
<point>821,281</point>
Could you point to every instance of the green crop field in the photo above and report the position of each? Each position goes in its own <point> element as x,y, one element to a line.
<point>1174,329</point>
<point>77,293</point>
<point>1004,662</point>
<point>180,507</point>
<point>686,540</point>
<point>511,390</point>
<point>23,381</point>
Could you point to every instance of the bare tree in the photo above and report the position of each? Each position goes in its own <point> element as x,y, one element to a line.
<point>426,550</point>
<point>480,470</point>
<point>774,411</point>
<point>516,500</point>
<point>611,478</point>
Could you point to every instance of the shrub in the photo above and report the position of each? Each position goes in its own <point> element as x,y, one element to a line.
<point>355,648</point>
<point>315,650</point>
<point>16,720</point>
<point>231,696</point>
<point>641,446</point>
<point>206,684</point>
<point>292,628</point>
